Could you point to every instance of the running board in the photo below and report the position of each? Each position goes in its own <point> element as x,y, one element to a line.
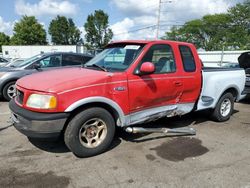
<point>184,130</point>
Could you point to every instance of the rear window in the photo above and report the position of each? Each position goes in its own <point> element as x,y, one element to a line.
<point>187,59</point>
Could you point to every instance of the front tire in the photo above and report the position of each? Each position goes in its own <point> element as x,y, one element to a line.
<point>9,90</point>
<point>90,132</point>
<point>224,108</point>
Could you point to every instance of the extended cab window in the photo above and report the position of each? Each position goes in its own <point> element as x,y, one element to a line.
<point>187,59</point>
<point>161,55</point>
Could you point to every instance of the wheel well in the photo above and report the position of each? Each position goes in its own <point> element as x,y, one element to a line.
<point>107,107</point>
<point>14,80</point>
<point>233,91</point>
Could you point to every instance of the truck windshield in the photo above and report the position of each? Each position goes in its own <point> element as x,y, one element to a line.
<point>115,58</point>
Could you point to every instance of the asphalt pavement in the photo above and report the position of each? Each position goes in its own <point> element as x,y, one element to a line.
<point>217,156</point>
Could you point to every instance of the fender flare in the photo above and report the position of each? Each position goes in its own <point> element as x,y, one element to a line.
<point>104,100</point>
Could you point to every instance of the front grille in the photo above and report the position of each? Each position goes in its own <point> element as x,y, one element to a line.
<point>19,96</point>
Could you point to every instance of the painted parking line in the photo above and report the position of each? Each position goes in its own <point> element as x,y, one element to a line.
<point>4,113</point>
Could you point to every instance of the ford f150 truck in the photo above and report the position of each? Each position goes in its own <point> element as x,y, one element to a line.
<point>128,83</point>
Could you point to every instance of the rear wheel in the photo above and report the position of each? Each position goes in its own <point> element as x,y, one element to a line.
<point>90,132</point>
<point>224,108</point>
<point>9,90</point>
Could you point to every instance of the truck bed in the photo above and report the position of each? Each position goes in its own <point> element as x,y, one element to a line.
<point>215,81</point>
<point>219,69</point>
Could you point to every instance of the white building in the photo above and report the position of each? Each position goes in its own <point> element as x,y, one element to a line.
<point>214,58</point>
<point>29,51</point>
<point>209,58</point>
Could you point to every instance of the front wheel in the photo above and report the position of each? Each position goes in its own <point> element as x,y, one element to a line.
<point>90,132</point>
<point>224,108</point>
<point>9,90</point>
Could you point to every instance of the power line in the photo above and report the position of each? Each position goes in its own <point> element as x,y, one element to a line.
<point>135,30</point>
<point>147,27</point>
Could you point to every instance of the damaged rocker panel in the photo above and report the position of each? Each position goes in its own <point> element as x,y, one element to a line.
<point>157,113</point>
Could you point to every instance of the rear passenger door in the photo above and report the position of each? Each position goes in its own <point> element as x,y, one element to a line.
<point>191,76</point>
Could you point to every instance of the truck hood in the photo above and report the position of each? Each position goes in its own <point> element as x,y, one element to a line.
<point>62,79</point>
<point>244,60</point>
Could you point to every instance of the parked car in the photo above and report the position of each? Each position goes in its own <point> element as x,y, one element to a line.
<point>128,83</point>
<point>244,61</point>
<point>42,62</point>
<point>230,65</point>
<point>3,61</point>
<point>14,62</point>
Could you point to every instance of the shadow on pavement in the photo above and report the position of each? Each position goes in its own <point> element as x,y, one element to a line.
<point>246,100</point>
<point>59,146</point>
<point>174,122</point>
<point>6,127</point>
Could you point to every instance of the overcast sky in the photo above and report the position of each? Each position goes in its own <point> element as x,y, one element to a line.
<point>129,19</point>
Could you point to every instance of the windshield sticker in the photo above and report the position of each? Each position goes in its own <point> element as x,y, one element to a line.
<point>132,47</point>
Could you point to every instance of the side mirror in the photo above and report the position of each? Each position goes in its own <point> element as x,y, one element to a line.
<point>147,68</point>
<point>36,66</point>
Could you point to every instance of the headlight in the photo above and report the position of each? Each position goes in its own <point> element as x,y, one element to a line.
<point>41,101</point>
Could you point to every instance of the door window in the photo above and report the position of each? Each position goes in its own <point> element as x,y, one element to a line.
<point>161,55</point>
<point>50,61</point>
<point>187,59</point>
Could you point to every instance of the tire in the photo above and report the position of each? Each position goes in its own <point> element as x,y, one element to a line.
<point>224,108</point>
<point>9,90</point>
<point>90,132</point>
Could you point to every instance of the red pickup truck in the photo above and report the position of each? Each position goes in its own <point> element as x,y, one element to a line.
<point>128,83</point>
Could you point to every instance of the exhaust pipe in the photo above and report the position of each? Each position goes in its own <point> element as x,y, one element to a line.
<point>184,130</point>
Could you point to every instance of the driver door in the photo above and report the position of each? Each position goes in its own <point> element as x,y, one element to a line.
<point>161,88</point>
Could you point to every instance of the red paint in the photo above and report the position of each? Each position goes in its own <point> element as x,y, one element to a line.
<point>139,91</point>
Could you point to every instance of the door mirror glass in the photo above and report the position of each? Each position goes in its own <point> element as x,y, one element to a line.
<point>147,68</point>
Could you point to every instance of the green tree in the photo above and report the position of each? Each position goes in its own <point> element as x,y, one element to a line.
<point>4,40</point>
<point>98,33</point>
<point>64,31</point>
<point>28,32</point>
<point>214,32</point>
<point>207,33</point>
<point>239,33</point>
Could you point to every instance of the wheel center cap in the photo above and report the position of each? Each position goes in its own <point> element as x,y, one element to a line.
<point>91,132</point>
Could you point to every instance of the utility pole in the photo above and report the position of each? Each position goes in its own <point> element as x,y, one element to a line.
<point>159,17</point>
<point>158,20</point>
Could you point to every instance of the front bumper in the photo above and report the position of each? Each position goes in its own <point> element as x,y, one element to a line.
<point>35,124</point>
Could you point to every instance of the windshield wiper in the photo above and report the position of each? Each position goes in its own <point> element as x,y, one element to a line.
<point>98,66</point>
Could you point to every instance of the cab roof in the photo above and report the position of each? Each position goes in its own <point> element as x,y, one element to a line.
<point>146,42</point>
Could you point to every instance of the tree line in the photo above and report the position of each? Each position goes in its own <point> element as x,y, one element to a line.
<point>228,31</point>
<point>63,31</point>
